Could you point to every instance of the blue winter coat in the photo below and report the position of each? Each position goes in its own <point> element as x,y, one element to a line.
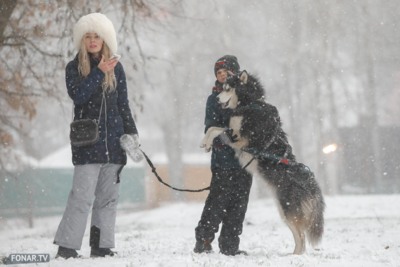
<point>116,117</point>
<point>223,156</point>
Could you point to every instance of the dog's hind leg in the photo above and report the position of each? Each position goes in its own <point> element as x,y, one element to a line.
<point>298,235</point>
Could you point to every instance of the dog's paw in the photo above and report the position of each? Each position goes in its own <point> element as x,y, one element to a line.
<point>206,145</point>
<point>208,139</point>
<point>206,149</point>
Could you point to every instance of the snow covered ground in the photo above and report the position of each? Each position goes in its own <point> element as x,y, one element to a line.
<point>360,231</point>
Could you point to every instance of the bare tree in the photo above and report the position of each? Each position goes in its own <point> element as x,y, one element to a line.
<point>35,44</point>
<point>322,65</point>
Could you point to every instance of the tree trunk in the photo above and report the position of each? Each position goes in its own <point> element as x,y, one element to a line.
<point>6,9</point>
<point>371,119</point>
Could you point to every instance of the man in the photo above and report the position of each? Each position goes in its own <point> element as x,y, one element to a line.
<point>230,184</point>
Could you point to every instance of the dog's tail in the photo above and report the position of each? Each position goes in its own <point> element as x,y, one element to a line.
<point>316,229</point>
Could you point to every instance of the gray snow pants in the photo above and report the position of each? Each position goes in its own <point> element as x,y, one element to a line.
<point>92,184</point>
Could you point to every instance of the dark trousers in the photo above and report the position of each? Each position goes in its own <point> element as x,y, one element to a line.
<point>226,203</point>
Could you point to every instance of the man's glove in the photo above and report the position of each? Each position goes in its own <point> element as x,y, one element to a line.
<point>130,143</point>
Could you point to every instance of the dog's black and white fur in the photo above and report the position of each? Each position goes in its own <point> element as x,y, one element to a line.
<point>257,137</point>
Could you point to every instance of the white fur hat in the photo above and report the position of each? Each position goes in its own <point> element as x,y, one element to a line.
<point>98,23</point>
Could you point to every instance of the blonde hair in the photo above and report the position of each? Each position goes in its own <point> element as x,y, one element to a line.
<point>109,82</point>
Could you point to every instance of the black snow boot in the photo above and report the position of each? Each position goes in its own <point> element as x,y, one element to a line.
<point>203,246</point>
<point>94,240</point>
<point>67,253</point>
<point>235,253</point>
<point>101,252</point>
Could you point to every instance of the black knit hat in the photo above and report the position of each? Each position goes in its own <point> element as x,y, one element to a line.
<point>227,62</point>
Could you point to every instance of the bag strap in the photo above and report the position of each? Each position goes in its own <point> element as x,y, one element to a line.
<point>101,108</point>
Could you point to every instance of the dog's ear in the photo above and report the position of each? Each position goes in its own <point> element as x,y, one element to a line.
<point>244,76</point>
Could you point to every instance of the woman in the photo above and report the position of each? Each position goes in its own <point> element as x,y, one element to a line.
<point>97,85</point>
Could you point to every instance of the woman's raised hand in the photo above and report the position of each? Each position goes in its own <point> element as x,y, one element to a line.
<point>107,65</point>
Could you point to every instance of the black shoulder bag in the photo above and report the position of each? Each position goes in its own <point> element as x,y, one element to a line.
<point>85,132</point>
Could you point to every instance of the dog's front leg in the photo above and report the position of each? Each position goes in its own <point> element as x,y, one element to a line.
<point>211,133</point>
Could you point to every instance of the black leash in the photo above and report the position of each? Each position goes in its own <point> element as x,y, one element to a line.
<point>248,163</point>
<point>153,169</point>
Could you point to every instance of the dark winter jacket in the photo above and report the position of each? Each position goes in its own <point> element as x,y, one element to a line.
<point>116,118</point>
<point>223,156</point>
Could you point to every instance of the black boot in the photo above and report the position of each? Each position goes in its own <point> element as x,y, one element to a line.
<point>229,244</point>
<point>67,253</point>
<point>203,246</point>
<point>101,252</point>
<point>234,253</point>
<point>94,240</point>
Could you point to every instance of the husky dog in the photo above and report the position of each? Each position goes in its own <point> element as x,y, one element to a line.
<point>255,133</point>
